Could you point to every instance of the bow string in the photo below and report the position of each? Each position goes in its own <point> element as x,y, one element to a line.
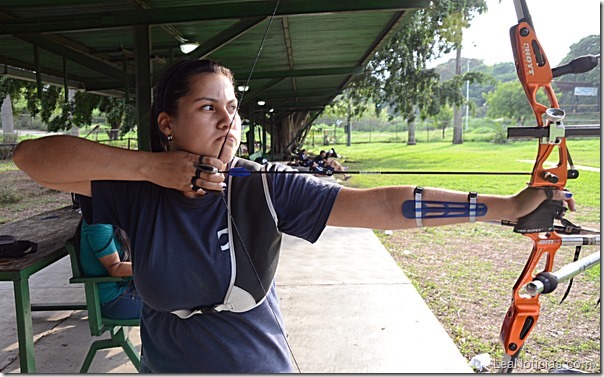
<point>229,214</point>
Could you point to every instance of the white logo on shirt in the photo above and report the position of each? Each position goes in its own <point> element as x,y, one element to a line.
<point>221,233</point>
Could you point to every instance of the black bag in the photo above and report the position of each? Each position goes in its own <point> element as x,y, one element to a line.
<point>12,248</point>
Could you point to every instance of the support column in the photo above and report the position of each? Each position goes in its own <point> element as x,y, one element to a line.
<point>142,43</point>
<point>39,84</point>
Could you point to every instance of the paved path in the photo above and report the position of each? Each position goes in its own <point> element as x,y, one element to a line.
<point>350,309</point>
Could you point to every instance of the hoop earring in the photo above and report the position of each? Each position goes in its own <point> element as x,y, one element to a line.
<point>170,137</point>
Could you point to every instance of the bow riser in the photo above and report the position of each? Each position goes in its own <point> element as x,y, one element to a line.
<point>535,73</point>
<point>555,177</point>
<point>532,67</point>
<point>523,314</point>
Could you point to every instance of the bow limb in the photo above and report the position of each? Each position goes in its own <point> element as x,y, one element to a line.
<point>523,314</point>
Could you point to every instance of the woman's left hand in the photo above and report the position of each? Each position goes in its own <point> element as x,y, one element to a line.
<point>527,200</point>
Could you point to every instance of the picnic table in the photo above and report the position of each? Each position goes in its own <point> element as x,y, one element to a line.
<point>49,230</point>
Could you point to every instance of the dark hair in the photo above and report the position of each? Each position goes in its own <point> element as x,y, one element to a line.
<point>173,84</point>
<point>123,242</point>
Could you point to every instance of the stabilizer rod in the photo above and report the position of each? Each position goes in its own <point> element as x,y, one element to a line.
<point>579,65</point>
<point>547,282</point>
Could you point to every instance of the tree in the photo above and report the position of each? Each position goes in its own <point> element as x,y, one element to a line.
<point>338,108</point>
<point>499,72</point>
<point>345,107</point>
<point>443,119</point>
<point>397,74</point>
<point>508,100</point>
<point>60,115</point>
<point>589,45</point>
<point>120,115</point>
<point>460,20</point>
<point>504,72</point>
<point>12,87</point>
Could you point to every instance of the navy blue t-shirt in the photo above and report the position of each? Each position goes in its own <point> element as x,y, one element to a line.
<point>181,260</point>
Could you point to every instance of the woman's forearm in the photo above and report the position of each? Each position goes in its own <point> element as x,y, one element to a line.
<point>65,160</point>
<point>69,163</point>
<point>120,269</point>
<point>114,266</point>
<point>381,208</point>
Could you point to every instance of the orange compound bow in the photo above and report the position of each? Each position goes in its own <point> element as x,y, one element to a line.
<point>535,74</point>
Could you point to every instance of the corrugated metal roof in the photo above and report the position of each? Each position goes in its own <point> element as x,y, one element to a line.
<point>311,51</point>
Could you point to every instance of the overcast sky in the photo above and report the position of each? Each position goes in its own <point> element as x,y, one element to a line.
<point>558,24</point>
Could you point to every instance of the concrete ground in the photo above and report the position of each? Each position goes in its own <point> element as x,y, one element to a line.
<point>348,308</point>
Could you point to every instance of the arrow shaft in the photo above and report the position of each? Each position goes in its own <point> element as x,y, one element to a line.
<point>401,172</point>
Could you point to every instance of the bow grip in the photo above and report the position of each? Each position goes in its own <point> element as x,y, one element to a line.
<point>542,218</point>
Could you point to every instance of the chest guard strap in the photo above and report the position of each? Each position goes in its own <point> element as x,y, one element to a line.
<point>254,239</point>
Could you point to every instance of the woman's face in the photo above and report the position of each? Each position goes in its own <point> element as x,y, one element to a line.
<point>204,117</point>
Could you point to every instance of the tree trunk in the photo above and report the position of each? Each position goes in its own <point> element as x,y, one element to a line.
<point>349,125</point>
<point>285,130</point>
<point>8,125</point>
<point>457,117</point>
<point>411,123</point>
<point>74,131</point>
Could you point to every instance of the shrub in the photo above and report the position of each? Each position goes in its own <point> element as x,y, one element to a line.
<point>9,195</point>
<point>6,152</point>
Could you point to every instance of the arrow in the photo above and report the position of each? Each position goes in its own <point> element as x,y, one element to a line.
<point>243,172</point>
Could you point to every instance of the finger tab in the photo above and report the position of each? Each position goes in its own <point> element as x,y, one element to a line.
<point>206,168</point>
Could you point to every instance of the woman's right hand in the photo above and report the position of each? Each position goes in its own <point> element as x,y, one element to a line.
<point>179,170</point>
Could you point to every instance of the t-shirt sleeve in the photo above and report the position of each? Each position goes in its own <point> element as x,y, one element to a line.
<point>112,202</point>
<point>303,204</point>
<point>100,238</point>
